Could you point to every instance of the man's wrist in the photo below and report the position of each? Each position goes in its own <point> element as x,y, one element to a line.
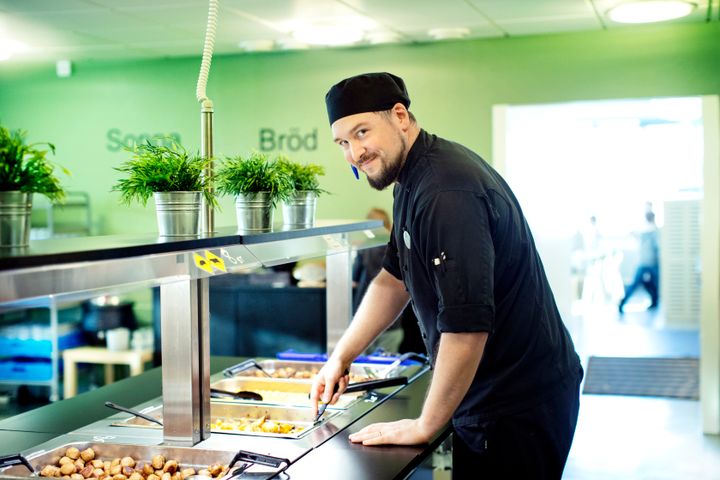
<point>426,427</point>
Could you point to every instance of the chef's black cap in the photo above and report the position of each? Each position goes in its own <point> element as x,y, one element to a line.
<point>369,92</point>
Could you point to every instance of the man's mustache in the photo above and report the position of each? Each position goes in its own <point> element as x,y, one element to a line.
<point>366,158</point>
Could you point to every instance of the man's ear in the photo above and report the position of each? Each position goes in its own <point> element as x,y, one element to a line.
<point>401,113</point>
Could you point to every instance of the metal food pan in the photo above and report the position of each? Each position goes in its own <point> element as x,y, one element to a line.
<point>278,369</point>
<point>229,413</point>
<point>186,457</point>
<point>277,391</point>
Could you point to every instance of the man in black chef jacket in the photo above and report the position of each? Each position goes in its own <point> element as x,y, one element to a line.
<point>505,368</point>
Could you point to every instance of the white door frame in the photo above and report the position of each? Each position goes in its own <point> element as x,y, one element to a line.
<point>709,256</point>
<point>710,262</point>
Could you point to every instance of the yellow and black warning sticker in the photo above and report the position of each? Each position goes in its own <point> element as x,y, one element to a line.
<point>209,262</point>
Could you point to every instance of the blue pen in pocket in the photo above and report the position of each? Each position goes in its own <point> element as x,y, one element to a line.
<point>355,172</point>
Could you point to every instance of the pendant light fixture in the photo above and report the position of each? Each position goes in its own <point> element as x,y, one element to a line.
<point>650,11</point>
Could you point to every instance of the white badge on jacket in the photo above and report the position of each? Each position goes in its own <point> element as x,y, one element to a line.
<point>406,239</point>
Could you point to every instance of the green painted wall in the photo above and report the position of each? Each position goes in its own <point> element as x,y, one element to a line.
<point>453,86</point>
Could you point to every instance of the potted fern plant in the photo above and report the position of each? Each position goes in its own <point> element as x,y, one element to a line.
<point>257,183</point>
<point>174,178</point>
<point>24,170</point>
<point>299,207</point>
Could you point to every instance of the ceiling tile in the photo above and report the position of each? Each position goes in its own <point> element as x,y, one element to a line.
<point>160,28</point>
<point>500,10</point>
<point>412,15</point>
<point>28,6</point>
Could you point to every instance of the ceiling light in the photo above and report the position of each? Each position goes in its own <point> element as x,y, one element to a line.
<point>328,34</point>
<point>650,11</point>
<point>257,45</point>
<point>10,47</point>
<point>449,33</point>
<point>377,38</point>
<point>291,44</point>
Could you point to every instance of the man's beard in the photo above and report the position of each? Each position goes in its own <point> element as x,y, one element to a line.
<point>390,170</point>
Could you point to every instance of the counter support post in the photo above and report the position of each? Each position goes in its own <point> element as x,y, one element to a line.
<point>184,310</point>
<point>338,296</point>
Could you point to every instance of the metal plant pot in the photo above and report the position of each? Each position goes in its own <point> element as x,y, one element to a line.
<point>178,213</point>
<point>15,208</point>
<point>254,212</point>
<point>299,210</point>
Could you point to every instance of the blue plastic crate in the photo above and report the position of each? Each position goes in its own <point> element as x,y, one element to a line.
<point>15,347</point>
<point>28,370</point>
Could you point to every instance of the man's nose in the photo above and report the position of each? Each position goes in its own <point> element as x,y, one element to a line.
<point>356,151</point>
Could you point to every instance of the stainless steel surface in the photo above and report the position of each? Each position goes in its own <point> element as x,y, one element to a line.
<point>333,455</point>
<point>203,354</point>
<point>299,211</point>
<point>277,391</point>
<point>207,217</point>
<point>183,305</point>
<point>306,370</point>
<point>338,281</point>
<point>183,380</point>
<point>15,208</point>
<point>186,457</point>
<point>254,212</point>
<point>225,414</point>
<point>111,267</point>
<point>178,213</point>
<point>284,251</point>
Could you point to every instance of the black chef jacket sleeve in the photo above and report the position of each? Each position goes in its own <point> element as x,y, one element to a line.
<point>391,263</point>
<point>456,246</point>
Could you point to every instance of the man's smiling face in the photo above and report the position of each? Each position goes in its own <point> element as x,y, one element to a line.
<point>374,143</point>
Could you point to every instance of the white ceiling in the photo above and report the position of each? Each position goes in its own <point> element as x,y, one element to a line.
<point>110,29</point>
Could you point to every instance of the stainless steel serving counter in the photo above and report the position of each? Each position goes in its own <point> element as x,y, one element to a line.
<point>83,268</point>
<point>325,452</point>
<point>87,267</point>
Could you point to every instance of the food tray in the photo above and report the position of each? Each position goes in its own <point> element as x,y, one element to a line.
<point>276,391</point>
<point>224,414</point>
<point>306,370</point>
<point>186,457</point>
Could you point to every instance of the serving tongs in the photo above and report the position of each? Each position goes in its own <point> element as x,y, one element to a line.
<point>249,459</point>
<point>241,395</point>
<point>362,387</point>
<point>15,459</point>
<point>242,366</point>
<point>120,408</point>
<point>390,370</point>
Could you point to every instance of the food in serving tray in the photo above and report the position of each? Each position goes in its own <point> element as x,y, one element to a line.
<point>259,425</point>
<point>77,465</point>
<point>290,372</point>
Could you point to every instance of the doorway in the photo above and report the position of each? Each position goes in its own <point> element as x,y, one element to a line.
<point>612,161</point>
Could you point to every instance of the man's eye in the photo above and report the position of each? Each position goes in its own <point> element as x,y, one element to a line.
<point>361,133</point>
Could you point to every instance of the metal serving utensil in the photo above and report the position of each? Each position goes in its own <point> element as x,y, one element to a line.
<point>120,408</point>
<point>242,366</point>
<point>363,386</point>
<point>249,459</point>
<point>16,459</point>
<point>405,356</point>
<point>241,395</point>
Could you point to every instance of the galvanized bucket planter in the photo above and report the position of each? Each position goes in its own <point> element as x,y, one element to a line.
<point>178,213</point>
<point>15,208</point>
<point>299,210</point>
<point>254,212</point>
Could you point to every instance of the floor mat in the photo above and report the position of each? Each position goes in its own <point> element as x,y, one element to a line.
<point>654,377</point>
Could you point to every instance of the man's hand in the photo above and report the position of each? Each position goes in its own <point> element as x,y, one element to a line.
<point>331,374</point>
<point>401,432</point>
